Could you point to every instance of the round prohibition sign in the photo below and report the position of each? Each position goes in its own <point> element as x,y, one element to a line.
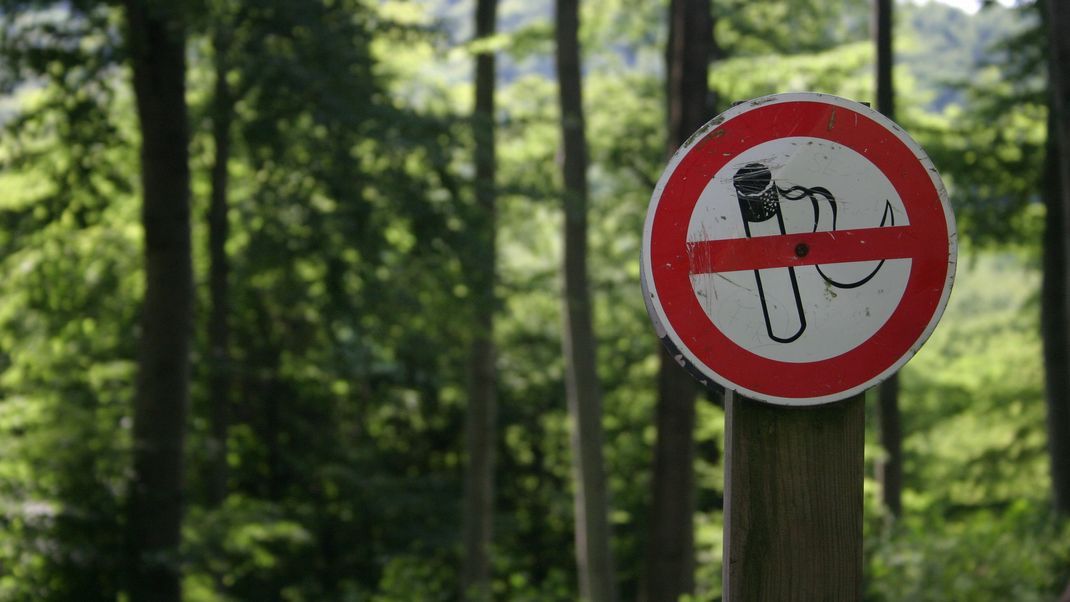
<point>798,249</point>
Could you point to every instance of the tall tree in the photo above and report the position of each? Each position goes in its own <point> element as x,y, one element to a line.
<point>156,45</point>
<point>591,505</point>
<point>219,385</point>
<point>482,398</point>
<point>670,555</point>
<point>890,467</point>
<point>1053,312</point>
<point>1056,302</point>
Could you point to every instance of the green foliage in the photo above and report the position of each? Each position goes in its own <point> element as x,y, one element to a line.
<point>973,397</point>
<point>1020,553</point>
<point>783,27</point>
<point>242,543</point>
<point>351,213</point>
<point>988,136</point>
<point>977,525</point>
<point>944,47</point>
<point>70,259</point>
<point>413,578</point>
<point>844,71</point>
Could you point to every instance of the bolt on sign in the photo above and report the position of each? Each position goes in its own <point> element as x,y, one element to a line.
<point>798,249</point>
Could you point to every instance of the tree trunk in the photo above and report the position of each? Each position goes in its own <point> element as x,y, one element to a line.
<point>882,35</point>
<point>1054,319</point>
<point>1058,21</point>
<point>670,554</point>
<point>156,44</point>
<point>219,289</point>
<point>584,398</point>
<point>889,468</point>
<point>482,400</point>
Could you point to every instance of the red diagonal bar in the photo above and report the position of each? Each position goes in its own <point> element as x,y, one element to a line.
<point>763,252</point>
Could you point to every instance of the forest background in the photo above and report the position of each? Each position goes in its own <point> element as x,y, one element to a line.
<point>293,301</point>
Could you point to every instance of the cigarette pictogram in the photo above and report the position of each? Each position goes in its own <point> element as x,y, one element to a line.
<point>760,201</point>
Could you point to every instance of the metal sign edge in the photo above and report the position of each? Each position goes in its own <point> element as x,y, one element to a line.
<point>667,333</point>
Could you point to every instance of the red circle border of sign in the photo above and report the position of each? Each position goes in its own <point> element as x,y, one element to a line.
<point>833,378</point>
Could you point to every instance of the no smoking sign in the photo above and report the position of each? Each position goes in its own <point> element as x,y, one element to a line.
<point>798,249</point>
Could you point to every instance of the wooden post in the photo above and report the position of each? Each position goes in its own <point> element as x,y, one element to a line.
<point>793,507</point>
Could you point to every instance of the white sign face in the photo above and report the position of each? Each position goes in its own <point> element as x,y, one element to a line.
<point>828,317</point>
<point>798,249</point>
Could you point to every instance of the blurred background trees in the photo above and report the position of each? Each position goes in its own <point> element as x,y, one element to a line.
<point>371,253</point>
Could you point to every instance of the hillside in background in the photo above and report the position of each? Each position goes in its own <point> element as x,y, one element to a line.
<point>944,48</point>
<point>939,49</point>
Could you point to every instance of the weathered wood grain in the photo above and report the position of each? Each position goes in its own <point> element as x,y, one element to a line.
<point>793,514</point>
